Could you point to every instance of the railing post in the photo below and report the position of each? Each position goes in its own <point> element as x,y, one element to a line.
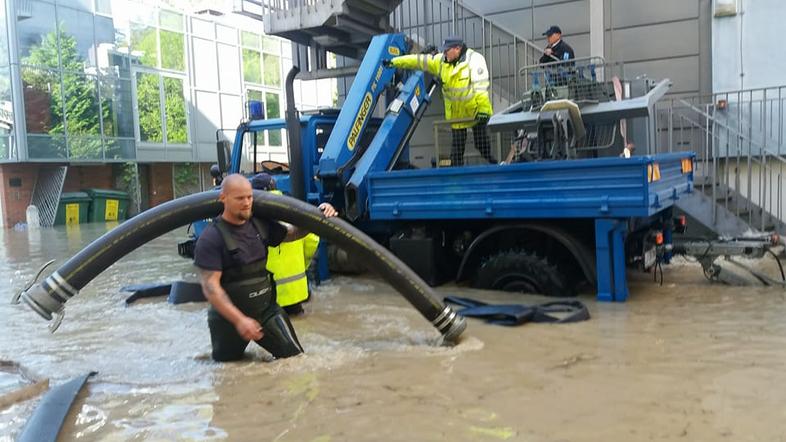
<point>515,70</point>
<point>710,149</point>
<point>671,127</point>
<point>453,16</point>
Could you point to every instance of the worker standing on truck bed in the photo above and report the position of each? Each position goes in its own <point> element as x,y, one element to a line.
<point>557,49</point>
<point>465,89</point>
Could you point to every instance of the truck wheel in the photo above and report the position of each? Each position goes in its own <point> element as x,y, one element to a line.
<point>519,271</point>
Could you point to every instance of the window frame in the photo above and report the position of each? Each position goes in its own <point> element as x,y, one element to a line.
<point>162,109</point>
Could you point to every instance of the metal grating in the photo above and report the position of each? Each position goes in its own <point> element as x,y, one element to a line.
<point>46,194</point>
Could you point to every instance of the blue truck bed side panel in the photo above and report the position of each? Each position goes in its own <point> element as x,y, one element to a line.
<point>591,188</point>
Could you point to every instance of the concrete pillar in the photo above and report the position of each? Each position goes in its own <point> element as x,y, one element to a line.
<point>597,31</point>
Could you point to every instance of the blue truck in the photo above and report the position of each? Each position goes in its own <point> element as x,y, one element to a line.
<point>552,225</point>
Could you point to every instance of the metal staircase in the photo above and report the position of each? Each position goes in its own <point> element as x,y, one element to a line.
<point>344,27</point>
<point>739,169</point>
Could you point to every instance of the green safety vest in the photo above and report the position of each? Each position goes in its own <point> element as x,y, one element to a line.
<point>465,84</point>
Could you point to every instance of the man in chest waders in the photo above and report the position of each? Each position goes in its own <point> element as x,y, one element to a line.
<point>231,254</point>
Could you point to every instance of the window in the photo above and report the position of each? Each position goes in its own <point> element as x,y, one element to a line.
<point>76,39</point>
<point>4,59</point>
<point>38,31</point>
<point>261,67</point>
<point>160,47</point>
<point>148,98</point>
<point>172,41</point>
<point>43,101</point>
<point>251,66</point>
<point>273,110</point>
<point>6,113</point>
<point>82,116</point>
<point>103,7</point>
<point>144,45</point>
<point>117,107</point>
<point>175,105</point>
<point>153,90</point>
<point>249,39</point>
<point>272,65</point>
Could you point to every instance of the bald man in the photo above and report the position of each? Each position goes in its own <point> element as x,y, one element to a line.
<point>231,254</point>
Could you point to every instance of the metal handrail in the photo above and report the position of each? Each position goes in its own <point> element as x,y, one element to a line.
<point>737,134</point>
<point>558,63</point>
<point>755,161</point>
<point>494,139</point>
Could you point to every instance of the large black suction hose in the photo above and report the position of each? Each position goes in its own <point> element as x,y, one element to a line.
<point>49,296</point>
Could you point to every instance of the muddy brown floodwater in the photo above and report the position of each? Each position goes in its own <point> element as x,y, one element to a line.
<point>688,360</point>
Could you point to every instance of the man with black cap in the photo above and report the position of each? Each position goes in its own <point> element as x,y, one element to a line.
<point>465,89</point>
<point>557,49</point>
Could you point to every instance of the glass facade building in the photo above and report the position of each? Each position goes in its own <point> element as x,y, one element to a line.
<point>120,80</point>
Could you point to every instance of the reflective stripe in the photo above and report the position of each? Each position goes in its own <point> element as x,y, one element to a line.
<point>463,98</point>
<point>64,284</point>
<point>293,278</point>
<point>457,89</point>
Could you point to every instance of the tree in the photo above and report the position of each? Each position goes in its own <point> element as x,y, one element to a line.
<point>73,96</point>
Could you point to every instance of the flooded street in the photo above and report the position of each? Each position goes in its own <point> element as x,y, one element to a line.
<point>684,361</point>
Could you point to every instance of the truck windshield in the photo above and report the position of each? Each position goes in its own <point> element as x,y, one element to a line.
<point>261,147</point>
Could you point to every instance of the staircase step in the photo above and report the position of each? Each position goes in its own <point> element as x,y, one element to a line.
<point>344,27</point>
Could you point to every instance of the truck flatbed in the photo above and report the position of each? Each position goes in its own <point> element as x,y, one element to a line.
<point>615,187</point>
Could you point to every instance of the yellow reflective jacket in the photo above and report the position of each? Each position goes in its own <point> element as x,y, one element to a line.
<point>288,263</point>
<point>465,84</point>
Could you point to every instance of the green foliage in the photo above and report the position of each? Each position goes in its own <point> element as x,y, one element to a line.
<point>74,104</point>
<point>273,111</point>
<point>175,106</point>
<point>186,179</point>
<point>251,66</point>
<point>272,70</point>
<point>149,101</point>
<point>172,51</point>
<point>4,146</point>
<point>144,40</point>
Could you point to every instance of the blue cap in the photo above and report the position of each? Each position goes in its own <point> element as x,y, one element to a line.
<point>450,42</point>
<point>553,29</point>
<point>263,181</point>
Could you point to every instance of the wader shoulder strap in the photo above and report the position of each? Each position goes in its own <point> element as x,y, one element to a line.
<point>229,241</point>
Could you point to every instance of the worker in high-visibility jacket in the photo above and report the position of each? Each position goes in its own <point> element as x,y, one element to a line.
<point>289,261</point>
<point>465,90</point>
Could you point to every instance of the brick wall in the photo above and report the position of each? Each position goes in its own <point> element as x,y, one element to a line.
<point>88,177</point>
<point>161,183</point>
<point>16,199</point>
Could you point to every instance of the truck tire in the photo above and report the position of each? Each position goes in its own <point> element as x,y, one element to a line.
<point>520,271</point>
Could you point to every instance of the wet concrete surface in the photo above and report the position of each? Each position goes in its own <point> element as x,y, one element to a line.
<point>688,360</point>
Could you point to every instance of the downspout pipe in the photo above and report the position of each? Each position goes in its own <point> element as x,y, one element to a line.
<point>48,297</point>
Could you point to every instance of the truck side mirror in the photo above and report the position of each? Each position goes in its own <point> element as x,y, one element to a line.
<point>222,154</point>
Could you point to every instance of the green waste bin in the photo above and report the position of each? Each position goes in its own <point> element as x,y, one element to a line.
<point>73,208</point>
<point>107,205</point>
